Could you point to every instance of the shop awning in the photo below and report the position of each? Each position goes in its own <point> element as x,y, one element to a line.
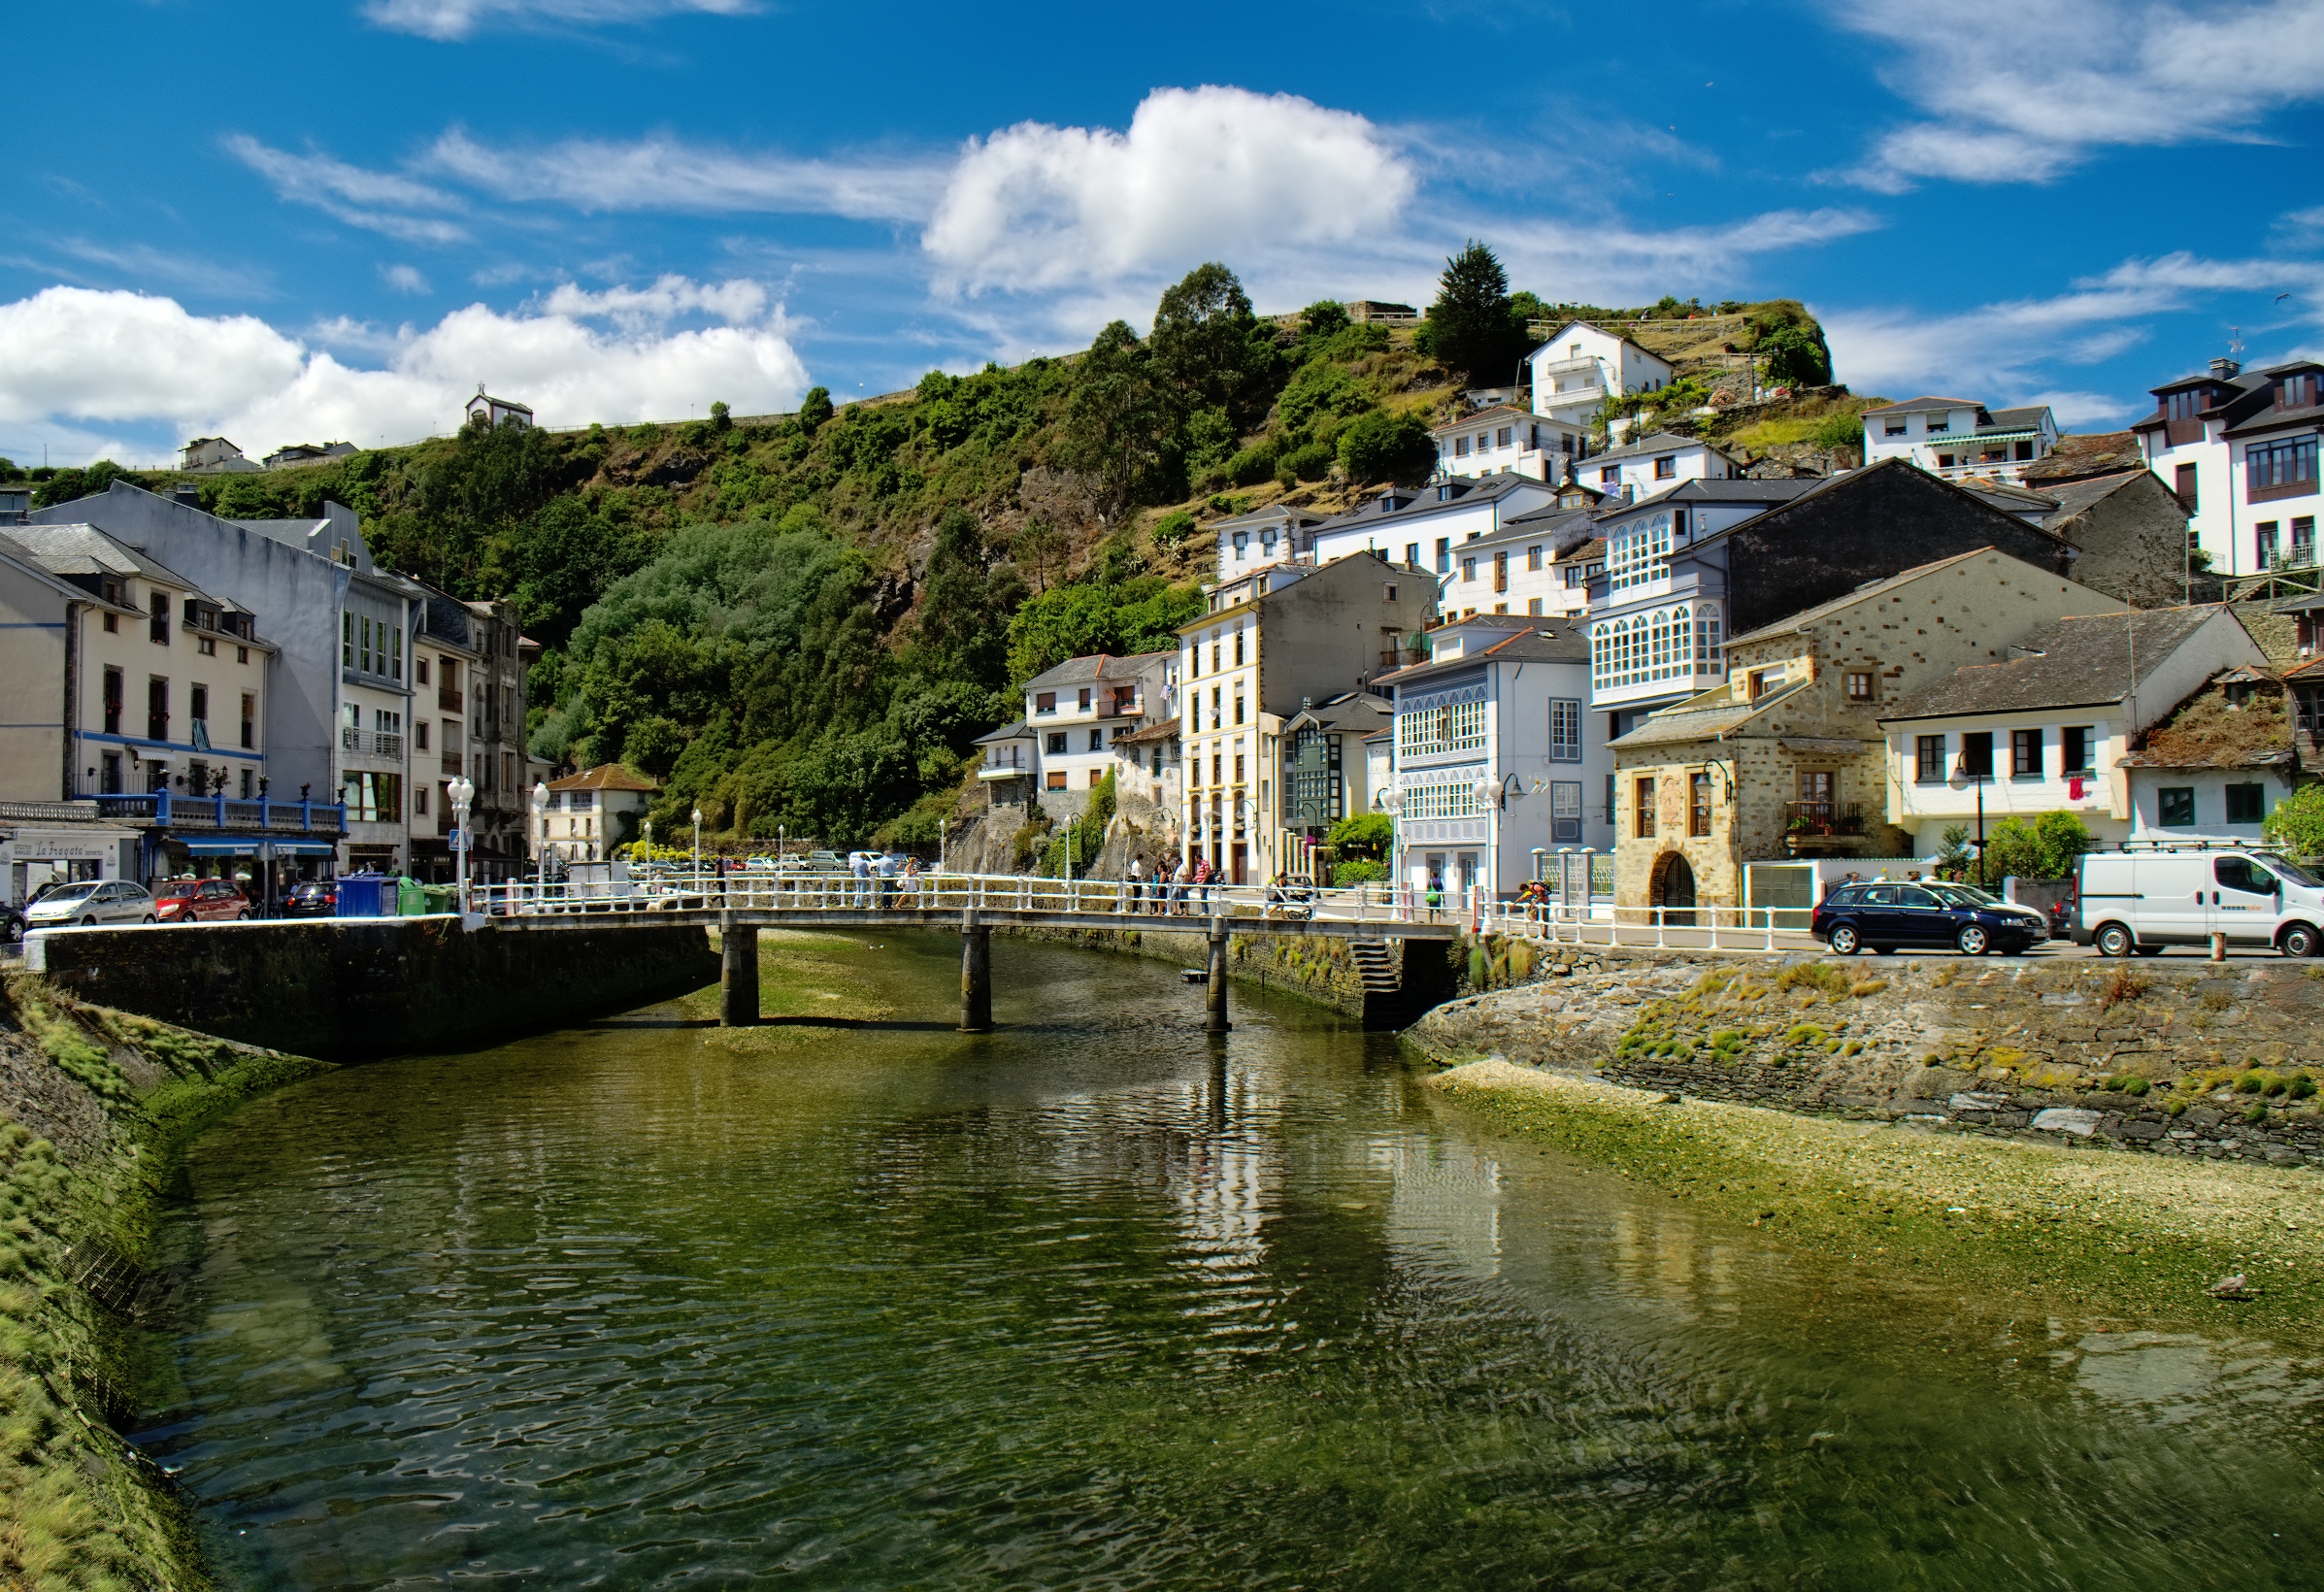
<point>250,847</point>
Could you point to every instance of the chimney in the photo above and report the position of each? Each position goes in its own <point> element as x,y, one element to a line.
<point>191,496</point>
<point>2225,368</point>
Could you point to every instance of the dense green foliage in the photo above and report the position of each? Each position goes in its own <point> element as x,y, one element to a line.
<point>2297,822</point>
<point>1473,326</point>
<point>2045,849</point>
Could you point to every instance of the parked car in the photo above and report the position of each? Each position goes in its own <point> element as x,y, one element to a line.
<point>813,862</point>
<point>311,898</point>
<point>90,903</point>
<point>2143,901</point>
<point>11,923</point>
<point>201,901</point>
<point>1887,914</point>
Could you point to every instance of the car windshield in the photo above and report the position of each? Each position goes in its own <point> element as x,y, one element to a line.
<point>69,892</point>
<point>2293,872</point>
<point>1963,895</point>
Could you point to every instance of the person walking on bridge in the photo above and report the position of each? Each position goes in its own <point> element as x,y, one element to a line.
<point>1133,882</point>
<point>885,871</point>
<point>1177,887</point>
<point>861,867</point>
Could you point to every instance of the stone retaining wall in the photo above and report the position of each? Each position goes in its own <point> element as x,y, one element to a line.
<point>1315,967</point>
<point>2149,1057</point>
<point>349,989</point>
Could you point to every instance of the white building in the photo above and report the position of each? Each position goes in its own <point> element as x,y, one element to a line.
<point>215,456</point>
<point>1529,567</point>
<point>1419,530</point>
<point>592,813</point>
<point>2241,450</point>
<point>1959,437</point>
<point>1656,464</point>
<point>497,412</point>
<point>1504,439</point>
<point>2056,728</point>
<point>1264,537</point>
<point>1076,713</point>
<point>1497,762</point>
<point>1574,372</point>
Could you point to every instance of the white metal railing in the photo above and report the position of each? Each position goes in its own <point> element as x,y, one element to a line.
<point>1677,928</point>
<point>809,891</point>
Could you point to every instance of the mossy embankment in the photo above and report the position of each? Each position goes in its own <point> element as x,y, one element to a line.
<point>93,1103</point>
<point>2118,1138</point>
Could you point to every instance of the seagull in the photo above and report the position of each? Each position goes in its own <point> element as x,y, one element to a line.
<point>2280,297</point>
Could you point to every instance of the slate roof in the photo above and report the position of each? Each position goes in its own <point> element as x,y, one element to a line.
<point>1475,489</point>
<point>1093,666</point>
<point>2077,457</point>
<point>1661,441</point>
<point>1361,710</point>
<point>1852,480</point>
<point>83,549</point>
<point>1912,406</point>
<point>2079,496</point>
<point>1014,730</point>
<point>1870,591</point>
<point>1681,723</point>
<point>1548,641</point>
<point>2077,662</point>
<point>1146,734</point>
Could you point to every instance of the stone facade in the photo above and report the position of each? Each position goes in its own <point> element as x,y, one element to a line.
<point>1790,752</point>
<point>2076,1054</point>
<point>2132,531</point>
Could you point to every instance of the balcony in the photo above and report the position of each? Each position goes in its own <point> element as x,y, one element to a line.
<point>260,816</point>
<point>387,743</point>
<point>1814,826</point>
<point>1016,764</point>
<point>451,765</point>
<point>448,700</point>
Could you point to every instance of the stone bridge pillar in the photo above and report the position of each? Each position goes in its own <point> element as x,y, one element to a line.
<point>738,973</point>
<point>1216,988</point>
<point>975,975</point>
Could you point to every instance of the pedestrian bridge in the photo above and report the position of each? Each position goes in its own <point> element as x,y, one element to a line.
<point>740,904</point>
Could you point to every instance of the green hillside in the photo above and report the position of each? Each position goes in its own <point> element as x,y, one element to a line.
<point>805,621</point>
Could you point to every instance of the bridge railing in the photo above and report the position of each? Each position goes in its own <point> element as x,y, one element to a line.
<point>811,892</point>
<point>1600,923</point>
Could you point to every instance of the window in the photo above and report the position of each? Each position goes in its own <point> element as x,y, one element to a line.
<point>2175,805</point>
<point>2246,804</point>
<point>1565,729</point>
<point>1640,551</point>
<point>1412,554</point>
<point>1460,448</point>
<point>1565,813</point>
<point>1937,427</point>
<point>1763,680</point>
<point>1533,605</point>
<point>2074,747</point>
<point>1217,768</point>
<point>1500,438</point>
<point>1431,725</point>
<point>420,671</point>
<point>2297,390</point>
<point>1096,739</point>
<point>1215,718</point>
<point>1096,776</point>
<point>1665,466</point>
<point>1237,707</point>
<point>377,798</point>
<point>1056,743</point>
<point>1894,428</point>
<point>419,801</point>
<point>347,641</point>
<point>1054,780</point>
<point>1485,440</point>
<point>1862,686</point>
<point>1238,647</point>
<point>1533,559</point>
<point>250,721</point>
<point>1082,699</point>
<point>1641,796</point>
<point>1467,570</point>
<point>1046,702</point>
<point>1501,571</point>
<point>2304,540</point>
<point>2245,874</point>
<point>1609,476</point>
<point>2025,755</point>
<point>157,628</point>
<point>420,735</point>
<point>157,709</point>
<point>241,654</point>
<point>1977,754</point>
<point>1217,662</point>
<point>113,621</point>
<point>2284,468</point>
<point>1928,759</point>
<point>2186,476</point>
<point>206,646</point>
<point>1443,556</point>
<point>1668,644</point>
<point>2263,543</point>
<point>113,702</point>
<point>249,780</point>
<point>1242,545</point>
<point>1817,785</point>
<point>1697,810</point>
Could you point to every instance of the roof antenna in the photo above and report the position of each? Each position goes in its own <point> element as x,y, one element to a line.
<point>2235,343</point>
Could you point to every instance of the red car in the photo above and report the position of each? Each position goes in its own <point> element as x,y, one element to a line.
<point>199,901</point>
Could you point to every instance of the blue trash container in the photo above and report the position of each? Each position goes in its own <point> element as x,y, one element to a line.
<point>366,895</point>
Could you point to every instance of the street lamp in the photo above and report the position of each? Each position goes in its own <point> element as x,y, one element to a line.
<point>1962,776</point>
<point>541,827</point>
<point>462,791</point>
<point>697,846</point>
<point>940,846</point>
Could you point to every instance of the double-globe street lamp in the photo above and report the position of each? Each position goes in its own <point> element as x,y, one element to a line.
<point>540,828</point>
<point>462,791</point>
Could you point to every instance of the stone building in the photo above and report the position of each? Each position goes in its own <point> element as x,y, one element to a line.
<point>2130,531</point>
<point>1787,757</point>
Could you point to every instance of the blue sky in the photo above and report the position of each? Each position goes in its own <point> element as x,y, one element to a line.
<point>303,222</point>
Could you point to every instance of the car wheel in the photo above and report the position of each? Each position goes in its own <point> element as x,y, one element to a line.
<point>1973,940</point>
<point>150,918</point>
<point>2113,940</point>
<point>241,918</point>
<point>2300,939</point>
<point>1844,941</point>
<point>88,922</point>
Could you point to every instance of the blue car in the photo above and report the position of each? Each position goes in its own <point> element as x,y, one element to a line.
<point>1885,916</point>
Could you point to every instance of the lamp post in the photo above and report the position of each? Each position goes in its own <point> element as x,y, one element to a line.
<point>697,848</point>
<point>462,791</point>
<point>540,828</point>
<point>940,846</point>
<point>1962,776</point>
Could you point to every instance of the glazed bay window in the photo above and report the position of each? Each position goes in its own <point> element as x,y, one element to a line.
<point>1928,759</point>
<point>2279,469</point>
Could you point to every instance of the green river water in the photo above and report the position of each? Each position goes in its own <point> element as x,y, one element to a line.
<point>1099,1301</point>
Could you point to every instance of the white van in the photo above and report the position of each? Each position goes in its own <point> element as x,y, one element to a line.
<point>2141,901</point>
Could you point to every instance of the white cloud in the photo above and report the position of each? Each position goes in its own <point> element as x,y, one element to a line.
<point>1202,172</point>
<point>448,20</point>
<point>404,279</point>
<point>2024,90</point>
<point>129,359</point>
<point>662,173</point>
<point>355,194</point>
<point>1608,261</point>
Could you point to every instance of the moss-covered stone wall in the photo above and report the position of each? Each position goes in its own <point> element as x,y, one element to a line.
<point>349,989</point>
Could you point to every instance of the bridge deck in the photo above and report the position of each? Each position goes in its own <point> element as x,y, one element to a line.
<point>953,919</point>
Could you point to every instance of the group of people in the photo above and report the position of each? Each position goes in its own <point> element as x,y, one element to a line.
<point>1171,892</point>
<point>879,883</point>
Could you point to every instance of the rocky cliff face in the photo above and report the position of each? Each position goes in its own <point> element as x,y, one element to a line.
<point>2185,1059</point>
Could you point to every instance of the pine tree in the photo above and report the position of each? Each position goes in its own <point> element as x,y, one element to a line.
<point>1471,327</point>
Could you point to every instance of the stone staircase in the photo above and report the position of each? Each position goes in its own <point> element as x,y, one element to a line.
<point>1378,965</point>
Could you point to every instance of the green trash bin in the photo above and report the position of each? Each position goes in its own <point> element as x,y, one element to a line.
<point>443,898</point>
<point>411,898</point>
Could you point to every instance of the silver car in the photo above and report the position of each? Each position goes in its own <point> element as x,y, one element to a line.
<point>89,903</point>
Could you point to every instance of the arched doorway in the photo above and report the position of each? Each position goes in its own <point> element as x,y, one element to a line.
<point>1674,889</point>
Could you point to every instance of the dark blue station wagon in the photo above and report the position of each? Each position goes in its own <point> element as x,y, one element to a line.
<point>1885,916</point>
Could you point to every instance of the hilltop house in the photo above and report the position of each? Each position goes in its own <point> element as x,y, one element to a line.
<point>1957,438</point>
<point>215,456</point>
<point>1076,712</point>
<point>2063,725</point>
<point>1581,366</point>
<point>1788,756</point>
<point>1273,535</point>
<point>308,453</point>
<point>1526,567</point>
<point>2241,450</point>
<point>497,412</point>
<point>1421,529</point>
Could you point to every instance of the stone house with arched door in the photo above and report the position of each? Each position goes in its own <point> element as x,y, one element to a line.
<point>1787,759</point>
